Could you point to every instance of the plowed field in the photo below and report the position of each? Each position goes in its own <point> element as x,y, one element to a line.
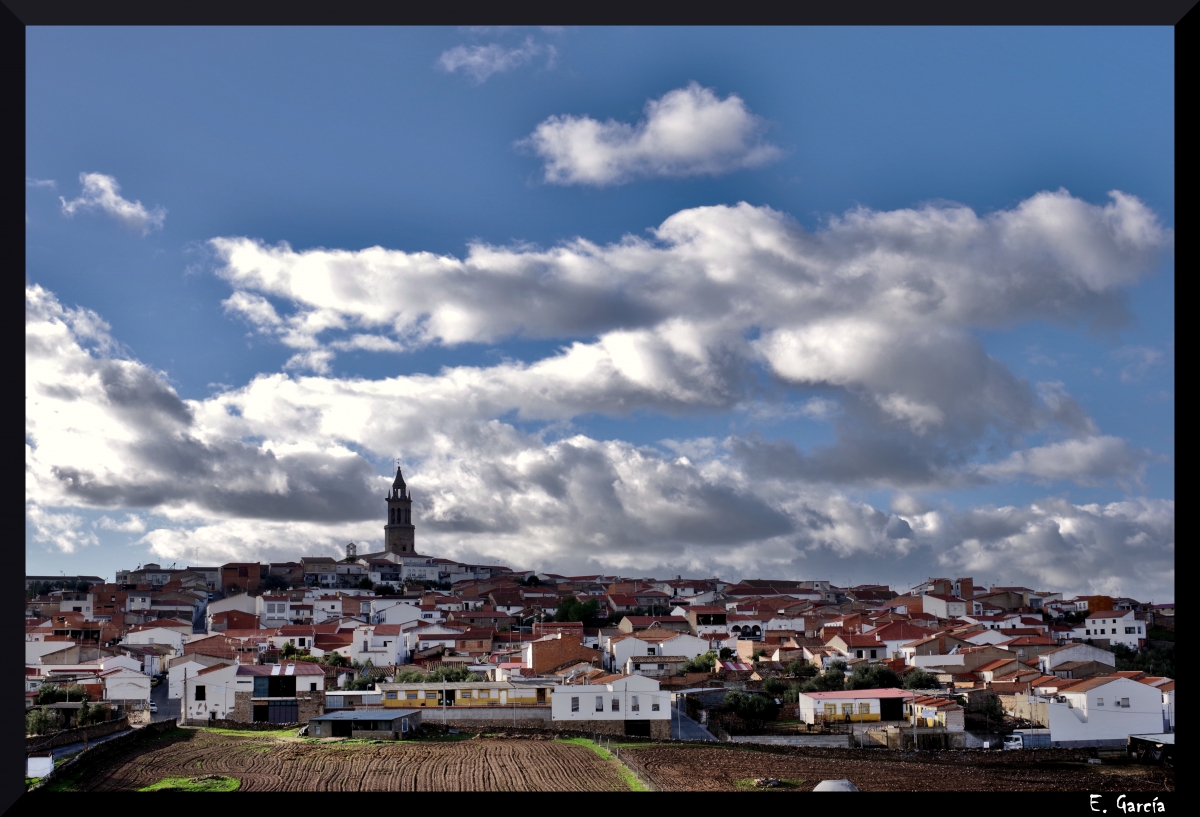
<point>273,763</point>
<point>700,768</point>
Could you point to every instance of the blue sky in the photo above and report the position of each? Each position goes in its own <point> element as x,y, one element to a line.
<point>839,419</point>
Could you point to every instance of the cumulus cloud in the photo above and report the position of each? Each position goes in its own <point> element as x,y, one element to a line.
<point>1085,460</point>
<point>687,132</point>
<point>101,192</point>
<point>877,310</point>
<point>278,469</point>
<point>482,61</point>
<point>132,524</point>
<point>65,532</point>
<point>1120,548</point>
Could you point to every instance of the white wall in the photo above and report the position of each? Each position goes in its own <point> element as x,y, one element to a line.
<point>560,702</point>
<point>219,687</point>
<point>156,635</point>
<point>34,650</point>
<point>176,674</point>
<point>127,685</point>
<point>1085,720</point>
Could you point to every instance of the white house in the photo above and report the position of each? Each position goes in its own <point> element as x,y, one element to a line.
<point>177,673</point>
<point>326,607</point>
<point>125,685</point>
<point>34,650</point>
<point>620,698</point>
<point>273,611</point>
<point>242,603</point>
<point>156,635</point>
<point>944,606</point>
<point>381,644</point>
<point>620,648</point>
<point>1104,710</point>
<point>430,636</point>
<point>1116,626</point>
<point>394,611</point>
<point>209,693</point>
<point>1079,651</point>
<point>82,603</point>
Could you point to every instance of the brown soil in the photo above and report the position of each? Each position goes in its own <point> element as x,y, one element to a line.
<point>270,763</point>
<point>702,768</point>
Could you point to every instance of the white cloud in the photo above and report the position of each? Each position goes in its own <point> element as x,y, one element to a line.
<point>32,182</point>
<point>101,192</point>
<point>132,524</point>
<point>481,61</point>
<point>686,132</point>
<point>1084,460</point>
<point>1140,360</point>
<point>269,471</point>
<point>64,531</point>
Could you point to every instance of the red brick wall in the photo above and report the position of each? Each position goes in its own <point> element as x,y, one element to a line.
<point>557,651</point>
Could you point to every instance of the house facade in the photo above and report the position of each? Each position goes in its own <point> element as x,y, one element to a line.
<point>615,705</point>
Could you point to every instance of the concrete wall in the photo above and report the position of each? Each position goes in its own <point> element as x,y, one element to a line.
<point>1068,728</point>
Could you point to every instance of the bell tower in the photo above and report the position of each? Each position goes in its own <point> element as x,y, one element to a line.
<point>399,535</point>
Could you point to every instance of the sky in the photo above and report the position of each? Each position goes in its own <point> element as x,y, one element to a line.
<point>853,304</point>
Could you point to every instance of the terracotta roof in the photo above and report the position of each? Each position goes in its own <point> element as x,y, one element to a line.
<point>1088,684</point>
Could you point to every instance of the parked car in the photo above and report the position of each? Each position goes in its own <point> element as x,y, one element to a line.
<point>153,706</point>
<point>1013,743</point>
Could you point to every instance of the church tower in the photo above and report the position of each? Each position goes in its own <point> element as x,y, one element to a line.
<point>399,535</point>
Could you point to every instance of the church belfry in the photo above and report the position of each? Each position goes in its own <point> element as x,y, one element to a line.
<point>399,534</point>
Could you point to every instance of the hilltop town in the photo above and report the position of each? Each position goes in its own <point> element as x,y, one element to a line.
<point>383,644</point>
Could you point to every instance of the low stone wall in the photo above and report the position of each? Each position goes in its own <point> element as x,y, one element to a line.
<point>41,743</point>
<point>370,734</point>
<point>221,723</point>
<point>109,747</point>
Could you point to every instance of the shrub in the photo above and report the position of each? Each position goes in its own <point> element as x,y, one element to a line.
<point>920,679</point>
<point>872,676</point>
<point>701,663</point>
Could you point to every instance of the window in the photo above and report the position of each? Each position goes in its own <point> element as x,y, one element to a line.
<point>1131,630</point>
<point>431,695</point>
<point>1087,632</point>
<point>654,705</point>
<point>649,651</point>
<point>466,693</point>
<point>847,709</point>
<point>200,692</point>
<point>575,704</point>
<point>312,686</point>
<point>616,704</point>
<point>864,709</point>
<point>634,706</point>
<point>830,709</point>
<point>858,654</point>
<point>391,696</point>
<point>1124,702</point>
<point>410,696</point>
<point>1099,702</point>
<point>873,653</point>
<point>483,693</point>
<point>599,703</point>
<point>662,666</point>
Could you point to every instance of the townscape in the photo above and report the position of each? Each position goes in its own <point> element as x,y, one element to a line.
<point>393,646</point>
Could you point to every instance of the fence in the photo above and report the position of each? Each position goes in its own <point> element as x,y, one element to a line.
<point>733,725</point>
<point>634,766</point>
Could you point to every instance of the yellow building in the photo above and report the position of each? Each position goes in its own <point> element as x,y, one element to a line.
<point>464,693</point>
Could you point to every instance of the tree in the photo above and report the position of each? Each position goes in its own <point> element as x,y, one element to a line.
<point>530,581</point>
<point>42,721</point>
<point>1152,661</point>
<point>726,653</point>
<point>451,675</point>
<point>336,659</point>
<point>750,707</point>
<point>273,582</point>
<point>366,583</point>
<point>289,650</point>
<point>831,680</point>
<point>802,669</point>
<point>410,676</point>
<point>775,687</point>
<point>920,679</point>
<point>701,663</point>
<point>757,654</point>
<point>571,609</point>
<point>384,590</point>
<point>361,682</point>
<point>873,676</point>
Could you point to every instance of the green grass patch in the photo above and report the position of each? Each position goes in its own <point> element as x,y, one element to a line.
<point>276,734</point>
<point>623,771</point>
<point>1162,635</point>
<point>785,783</point>
<point>214,783</point>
